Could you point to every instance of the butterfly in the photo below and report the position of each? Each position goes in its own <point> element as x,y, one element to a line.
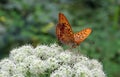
<point>66,35</point>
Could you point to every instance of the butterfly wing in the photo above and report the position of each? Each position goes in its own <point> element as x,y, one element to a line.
<point>64,31</point>
<point>82,35</point>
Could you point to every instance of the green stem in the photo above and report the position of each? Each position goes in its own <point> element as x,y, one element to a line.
<point>116,17</point>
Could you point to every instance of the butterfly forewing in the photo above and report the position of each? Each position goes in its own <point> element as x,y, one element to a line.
<point>82,35</point>
<point>63,20</point>
<point>64,31</point>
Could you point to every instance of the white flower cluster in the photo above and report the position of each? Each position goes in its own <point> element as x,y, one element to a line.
<point>48,61</point>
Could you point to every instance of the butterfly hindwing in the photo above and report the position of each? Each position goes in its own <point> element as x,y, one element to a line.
<point>82,35</point>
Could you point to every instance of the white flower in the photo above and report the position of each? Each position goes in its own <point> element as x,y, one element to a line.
<point>37,67</point>
<point>27,49</point>
<point>63,71</point>
<point>81,70</point>
<point>9,68</point>
<point>44,52</point>
<point>4,73</point>
<point>56,47</point>
<point>17,75</point>
<point>29,59</point>
<point>64,57</point>
<point>95,64</point>
<point>20,69</point>
<point>19,54</point>
<point>7,65</point>
<point>54,50</point>
<point>84,60</point>
<point>52,61</point>
<point>97,73</point>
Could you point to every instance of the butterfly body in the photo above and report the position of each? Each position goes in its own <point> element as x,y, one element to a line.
<point>65,34</point>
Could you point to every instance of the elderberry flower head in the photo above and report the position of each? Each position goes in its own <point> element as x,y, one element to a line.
<point>48,61</point>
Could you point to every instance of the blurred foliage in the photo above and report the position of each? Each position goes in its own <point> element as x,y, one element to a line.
<point>33,22</point>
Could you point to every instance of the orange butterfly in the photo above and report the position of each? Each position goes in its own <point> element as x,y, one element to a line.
<point>65,34</point>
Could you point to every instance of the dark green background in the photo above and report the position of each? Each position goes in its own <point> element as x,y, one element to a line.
<point>34,21</point>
